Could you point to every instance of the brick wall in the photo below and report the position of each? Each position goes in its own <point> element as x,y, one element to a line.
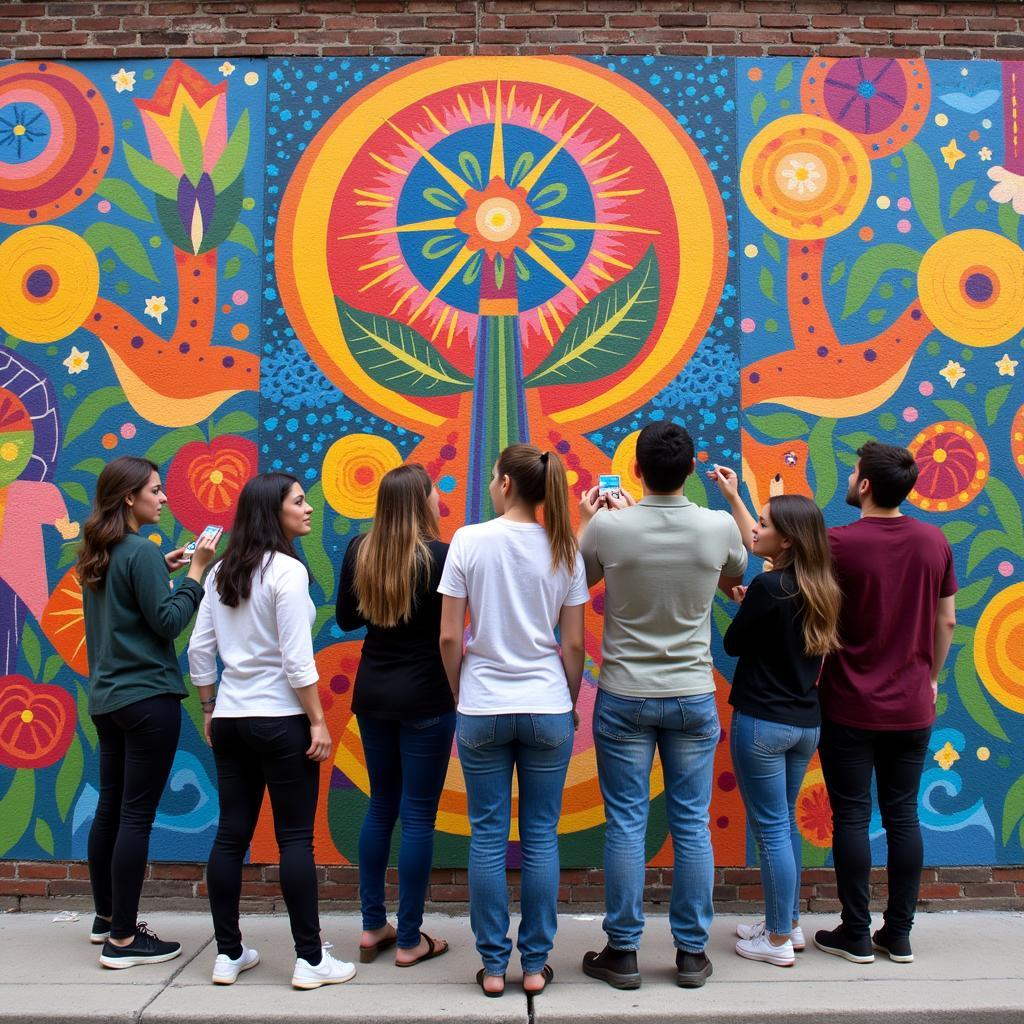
<point>49,885</point>
<point>177,28</point>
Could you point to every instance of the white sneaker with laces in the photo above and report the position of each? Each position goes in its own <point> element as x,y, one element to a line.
<point>328,972</point>
<point>226,970</point>
<point>762,948</point>
<point>751,931</point>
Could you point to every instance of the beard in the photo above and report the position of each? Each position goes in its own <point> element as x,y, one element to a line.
<point>853,496</point>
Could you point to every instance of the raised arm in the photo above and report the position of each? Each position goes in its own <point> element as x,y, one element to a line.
<point>729,484</point>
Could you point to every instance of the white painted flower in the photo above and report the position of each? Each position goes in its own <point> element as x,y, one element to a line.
<point>1008,188</point>
<point>226,68</point>
<point>77,362</point>
<point>156,306</point>
<point>1006,365</point>
<point>953,372</point>
<point>985,153</point>
<point>801,176</point>
<point>124,81</point>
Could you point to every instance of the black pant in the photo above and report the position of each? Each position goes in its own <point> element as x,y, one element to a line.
<point>848,758</point>
<point>252,756</point>
<point>137,747</point>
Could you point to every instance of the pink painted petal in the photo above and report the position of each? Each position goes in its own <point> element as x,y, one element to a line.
<point>162,150</point>
<point>217,137</point>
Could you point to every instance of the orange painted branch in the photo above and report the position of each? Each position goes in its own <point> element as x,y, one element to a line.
<point>808,315</point>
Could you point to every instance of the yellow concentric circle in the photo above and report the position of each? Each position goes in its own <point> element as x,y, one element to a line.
<point>971,287</point>
<point>999,647</point>
<point>624,463</point>
<point>49,281</point>
<point>805,178</point>
<point>352,472</point>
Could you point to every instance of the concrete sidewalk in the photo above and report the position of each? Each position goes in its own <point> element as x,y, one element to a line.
<point>968,969</point>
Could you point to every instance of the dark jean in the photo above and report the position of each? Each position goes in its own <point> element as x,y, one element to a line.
<point>137,747</point>
<point>407,762</point>
<point>849,756</point>
<point>538,747</point>
<point>770,761</point>
<point>254,755</point>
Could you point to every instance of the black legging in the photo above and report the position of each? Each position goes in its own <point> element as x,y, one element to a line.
<point>137,747</point>
<point>254,755</point>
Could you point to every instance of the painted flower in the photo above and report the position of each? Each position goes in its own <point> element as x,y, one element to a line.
<point>156,306</point>
<point>1008,188</point>
<point>952,466</point>
<point>801,176</point>
<point>63,621</point>
<point>985,153</point>
<point>204,481</point>
<point>946,756</point>
<point>953,372</point>
<point>77,362</point>
<point>37,722</point>
<point>226,68</point>
<point>1006,365</point>
<point>68,529</point>
<point>124,81</point>
<point>951,154</point>
<point>813,810</point>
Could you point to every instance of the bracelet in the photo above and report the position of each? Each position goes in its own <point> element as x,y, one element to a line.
<point>208,705</point>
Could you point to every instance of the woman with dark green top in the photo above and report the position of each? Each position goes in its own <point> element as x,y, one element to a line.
<point>132,615</point>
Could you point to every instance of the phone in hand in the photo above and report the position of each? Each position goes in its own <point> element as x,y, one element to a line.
<point>609,485</point>
<point>190,548</point>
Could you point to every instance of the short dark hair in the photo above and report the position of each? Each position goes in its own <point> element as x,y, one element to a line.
<point>664,453</point>
<point>891,471</point>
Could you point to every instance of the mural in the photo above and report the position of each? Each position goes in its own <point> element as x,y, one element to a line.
<point>331,266</point>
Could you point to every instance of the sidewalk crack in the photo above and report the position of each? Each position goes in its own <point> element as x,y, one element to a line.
<point>170,981</point>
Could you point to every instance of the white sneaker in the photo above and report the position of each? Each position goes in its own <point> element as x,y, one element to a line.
<point>328,972</point>
<point>751,931</point>
<point>762,948</point>
<point>226,970</point>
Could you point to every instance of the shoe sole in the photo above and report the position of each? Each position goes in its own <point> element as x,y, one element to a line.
<point>234,978</point>
<point>695,979</point>
<point>138,961</point>
<point>896,958</point>
<point>97,939</point>
<point>764,959</point>
<point>845,954</point>
<point>308,985</point>
<point>626,982</point>
<point>796,948</point>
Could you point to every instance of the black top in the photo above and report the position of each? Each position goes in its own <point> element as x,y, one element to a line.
<point>401,675</point>
<point>775,679</point>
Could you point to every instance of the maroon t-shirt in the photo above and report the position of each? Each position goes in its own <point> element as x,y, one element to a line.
<point>892,573</point>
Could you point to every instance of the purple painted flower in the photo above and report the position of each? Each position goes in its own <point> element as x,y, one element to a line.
<point>865,95</point>
<point>195,208</point>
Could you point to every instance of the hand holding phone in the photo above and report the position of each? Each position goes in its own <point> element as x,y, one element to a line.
<point>609,485</point>
<point>209,532</point>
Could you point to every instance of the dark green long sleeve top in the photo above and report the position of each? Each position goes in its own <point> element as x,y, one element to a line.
<point>131,623</point>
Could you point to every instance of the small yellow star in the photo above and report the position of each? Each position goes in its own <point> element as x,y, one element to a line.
<point>953,372</point>
<point>124,81</point>
<point>946,757</point>
<point>951,154</point>
<point>1006,365</point>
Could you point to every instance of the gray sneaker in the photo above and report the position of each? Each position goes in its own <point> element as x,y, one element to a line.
<point>692,969</point>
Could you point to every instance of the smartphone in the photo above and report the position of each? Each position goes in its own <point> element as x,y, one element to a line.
<point>190,548</point>
<point>609,484</point>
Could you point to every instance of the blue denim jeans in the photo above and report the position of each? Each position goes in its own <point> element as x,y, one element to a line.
<point>407,762</point>
<point>539,748</point>
<point>685,732</point>
<point>770,761</point>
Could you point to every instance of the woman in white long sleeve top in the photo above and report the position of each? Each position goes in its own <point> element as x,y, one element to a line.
<point>265,723</point>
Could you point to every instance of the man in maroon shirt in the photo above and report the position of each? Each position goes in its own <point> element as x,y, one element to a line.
<point>878,695</point>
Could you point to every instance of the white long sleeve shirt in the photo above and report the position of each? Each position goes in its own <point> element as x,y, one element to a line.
<point>265,644</point>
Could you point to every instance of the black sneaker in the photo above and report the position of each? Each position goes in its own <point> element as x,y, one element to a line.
<point>145,948</point>
<point>692,969</point>
<point>896,946</point>
<point>100,930</point>
<point>616,966</point>
<point>838,942</point>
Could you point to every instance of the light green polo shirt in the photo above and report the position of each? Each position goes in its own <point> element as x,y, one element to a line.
<point>660,560</point>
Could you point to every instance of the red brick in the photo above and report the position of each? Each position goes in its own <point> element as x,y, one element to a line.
<point>449,893</point>
<point>964,874</point>
<point>8,868</point>
<point>270,36</point>
<point>989,889</point>
<point>66,887</point>
<point>21,887</point>
<point>939,891</point>
<point>916,39</point>
<point>42,869</point>
<point>788,20</point>
<point>969,39</point>
<point>1009,874</point>
<point>709,35</point>
<point>813,37</point>
<point>190,872</point>
<point>888,22</point>
<point>575,21</point>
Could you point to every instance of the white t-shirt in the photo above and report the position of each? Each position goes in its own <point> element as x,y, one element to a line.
<point>511,665</point>
<point>266,643</point>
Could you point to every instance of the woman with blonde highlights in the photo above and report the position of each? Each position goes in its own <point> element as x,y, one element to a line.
<point>402,704</point>
<point>787,622</point>
<point>516,690</point>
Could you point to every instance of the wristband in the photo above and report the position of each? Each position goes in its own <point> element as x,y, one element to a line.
<point>208,705</point>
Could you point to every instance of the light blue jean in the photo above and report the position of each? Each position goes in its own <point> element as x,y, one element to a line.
<point>685,732</point>
<point>770,761</point>
<point>539,748</point>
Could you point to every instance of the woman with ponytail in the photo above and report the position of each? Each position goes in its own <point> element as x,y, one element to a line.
<point>402,703</point>
<point>516,686</point>
<point>786,623</point>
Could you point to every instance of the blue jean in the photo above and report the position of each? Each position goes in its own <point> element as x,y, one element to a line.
<point>770,761</point>
<point>685,732</point>
<point>539,748</point>
<point>407,762</point>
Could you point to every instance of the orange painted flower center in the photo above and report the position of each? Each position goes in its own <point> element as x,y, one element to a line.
<point>27,716</point>
<point>497,220</point>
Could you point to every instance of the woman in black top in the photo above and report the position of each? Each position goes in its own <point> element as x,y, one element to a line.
<point>402,703</point>
<point>787,621</point>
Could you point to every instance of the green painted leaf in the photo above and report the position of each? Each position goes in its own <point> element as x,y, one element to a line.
<point>994,402</point>
<point>91,409</point>
<point>857,439</point>
<point>241,235</point>
<point>126,245</point>
<point>956,410</point>
<point>1007,509</point>
<point>958,530</point>
<point>69,777</point>
<point>238,422</point>
<point>441,198</point>
<point>1013,809</point>
<point>870,266</point>
<point>167,447</point>
<point>232,267</point>
<point>958,200</point>
<point>499,271</point>
<point>695,490</point>
<point>784,77</point>
<point>226,212</point>
<point>823,462</point>
<point>972,697</point>
<point>320,564</point>
<point>190,147</point>
<point>758,105</point>
<point>968,597</point>
<point>93,465</point>
<point>16,808</point>
<point>44,836</point>
<point>837,272</point>
<point>125,197</point>
<point>875,315</point>
<point>521,169</point>
<point>783,426</point>
<point>924,188</point>
<point>84,721</point>
<point>847,458</point>
<point>232,160</point>
<point>76,492</point>
<point>1009,222</point>
<point>771,246</point>
<point>766,282</point>
<point>722,619</point>
<point>68,553</point>
<point>983,545</point>
<point>53,665</point>
<point>323,616</point>
<point>471,170</point>
<point>31,649</point>
<point>397,357</point>
<point>607,332</point>
<point>151,175</point>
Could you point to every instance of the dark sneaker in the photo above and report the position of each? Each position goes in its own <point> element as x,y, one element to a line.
<point>100,930</point>
<point>838,942</point>
<point>896,946</point>
<point>692,969</point>
<point>145,948</point>
<point>616,966</point>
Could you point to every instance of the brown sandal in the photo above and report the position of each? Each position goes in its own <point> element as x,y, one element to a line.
<point>367,954</point>
<point>480,975</point>
<point>435,948</point>
<point>547,974</point>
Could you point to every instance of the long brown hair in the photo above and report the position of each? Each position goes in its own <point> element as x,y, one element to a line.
<point>108,522</point>
<point>809,557</point>
<point>539,478</point>
<point>393,558</point>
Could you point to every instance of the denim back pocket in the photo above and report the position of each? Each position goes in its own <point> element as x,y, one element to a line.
<point>552,731</point>
<point>700,716</point>
<point>476,731</point>
<point>774,737</point>
<point>617,717</point>
<point>425,723</point>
